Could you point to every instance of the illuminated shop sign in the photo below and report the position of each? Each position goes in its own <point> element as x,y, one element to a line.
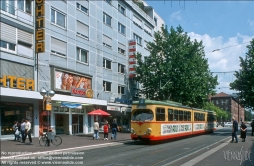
<point>17,82</point>
<point>75,84</point>
<point>40,24</point>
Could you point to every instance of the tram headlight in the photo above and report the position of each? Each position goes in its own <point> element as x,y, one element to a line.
<point>149,130</point>
<point>132,131</point>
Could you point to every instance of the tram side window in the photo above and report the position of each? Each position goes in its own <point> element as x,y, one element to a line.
<point>176,115</point>
<point>196,116</point>
<point>185,115</point>
<point>170,115</point>
<point>180,115</point>
<point>202,117</point>
<point>188,116</point>
<point>160,114</point>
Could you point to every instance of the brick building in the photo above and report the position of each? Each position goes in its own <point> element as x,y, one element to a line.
<point>228,103</point>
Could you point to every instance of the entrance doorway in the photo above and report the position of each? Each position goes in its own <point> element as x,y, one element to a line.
<point>62,123</point>
<point>77,124</point>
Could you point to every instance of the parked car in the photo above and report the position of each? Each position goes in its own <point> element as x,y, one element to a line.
<point>228,124</point>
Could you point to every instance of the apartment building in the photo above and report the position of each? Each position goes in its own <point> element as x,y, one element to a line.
<point>230,104</point>
<point>82,50</point>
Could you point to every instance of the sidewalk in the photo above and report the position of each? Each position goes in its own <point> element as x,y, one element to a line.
<point>69,142</point>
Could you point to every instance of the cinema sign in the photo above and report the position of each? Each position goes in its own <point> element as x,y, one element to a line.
<point>40,24</point>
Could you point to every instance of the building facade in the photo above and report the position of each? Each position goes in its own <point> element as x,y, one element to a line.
<point>80,49</point>
<point>230,104</point>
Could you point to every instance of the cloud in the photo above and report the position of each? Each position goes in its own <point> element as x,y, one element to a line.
<point>176,16</point>
<point>226,59</point>
<point>251,23</point>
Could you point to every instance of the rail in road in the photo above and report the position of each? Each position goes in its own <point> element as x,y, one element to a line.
<point>212,149</point>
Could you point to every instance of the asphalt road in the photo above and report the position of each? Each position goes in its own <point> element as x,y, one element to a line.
<point>173,153</point>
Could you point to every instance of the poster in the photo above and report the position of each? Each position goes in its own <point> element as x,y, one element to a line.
<point>64,81</point>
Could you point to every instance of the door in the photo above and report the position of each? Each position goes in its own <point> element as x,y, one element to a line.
<point>77,124</point>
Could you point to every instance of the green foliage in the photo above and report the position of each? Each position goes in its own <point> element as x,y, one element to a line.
<point>221,114</point>
<point>248,115</point>
<point>244,82</point>
<point>176,68</point>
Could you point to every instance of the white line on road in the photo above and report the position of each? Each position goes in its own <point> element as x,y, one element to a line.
<point>61,150</point>
<point>195,152</point>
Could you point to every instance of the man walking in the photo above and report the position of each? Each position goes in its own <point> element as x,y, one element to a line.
<point>234,130</point>
<point>28,131</point>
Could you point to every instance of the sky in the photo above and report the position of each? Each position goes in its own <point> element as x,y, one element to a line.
<point>224,25</point>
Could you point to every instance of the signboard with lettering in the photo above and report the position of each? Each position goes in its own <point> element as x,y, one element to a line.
<point>123,101</point>
<point>40,24</point>
<point>17,82</point>
<point>75,84</point>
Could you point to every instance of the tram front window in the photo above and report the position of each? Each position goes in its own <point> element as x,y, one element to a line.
<point>142,115</point>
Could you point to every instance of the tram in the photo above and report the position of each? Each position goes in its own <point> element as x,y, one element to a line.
<point>162,120</point>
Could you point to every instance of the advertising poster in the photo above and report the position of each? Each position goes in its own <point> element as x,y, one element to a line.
<point>65,81</point>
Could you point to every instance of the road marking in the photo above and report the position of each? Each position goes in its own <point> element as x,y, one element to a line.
<point>62,150</point>
<point>197,151</point>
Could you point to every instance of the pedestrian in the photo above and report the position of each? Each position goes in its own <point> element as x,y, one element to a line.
<point>252,127</point>
<point>105,129</point>
<point>114,129</point>
<point>17,131</point>
<point>14,127</point>
<point>234,130</point>
<point>22,130</point>
<point>28,131</point>
<point>243,131</point>
<point>96,129</point>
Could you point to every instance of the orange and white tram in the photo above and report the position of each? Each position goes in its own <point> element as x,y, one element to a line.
<point>161,120</point>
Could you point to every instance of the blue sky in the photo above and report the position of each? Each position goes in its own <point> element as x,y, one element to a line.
<point>224,25</point>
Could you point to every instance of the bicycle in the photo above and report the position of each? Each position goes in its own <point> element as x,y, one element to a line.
<point>55,140</point>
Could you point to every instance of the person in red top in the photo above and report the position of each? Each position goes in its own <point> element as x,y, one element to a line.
<point>105,128</point>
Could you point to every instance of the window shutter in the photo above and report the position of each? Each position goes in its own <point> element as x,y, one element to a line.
<point>136,20</point>
<point>8,33</point>
<point>25,36</point>
<point>58,46</point>
<point>121,46</point>
<point>107,40</point>
<point>83,29</point>
<point>148,29</point>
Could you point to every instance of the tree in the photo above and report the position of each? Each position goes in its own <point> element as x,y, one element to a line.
<point>221,114</point>
<point>176,68</point>
<point>244,82</point>
<point>248,115</point>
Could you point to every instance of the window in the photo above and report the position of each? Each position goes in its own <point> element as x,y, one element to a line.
<point>180,115</point>
<point>120,89</point>
<point>58,18</point>
<point>106,63</point>
<point>121,28</point>
<point>82,55</point>
<point>199,116</point>
<point>137,22</point>
<point>137,38</point>
<point>176,115</point>
<point>8,6</point>
<point>148,30</point>
<point>107,41</point>
<point>58,47</point>
<point>121,9</point>
<point>155,21</point>
<point>83,7</point>
<point>109,1</point>
<point>25,38</point>
<point>121,68</point>
<point>7,45</point>
<point>121,48</point>
<point>25,5</point>
<point>82,30</point>
<point>107,86</point>
<point>107,19</point>
<point>170,115</point>
<point>145,44</point>
<point>160,114</point>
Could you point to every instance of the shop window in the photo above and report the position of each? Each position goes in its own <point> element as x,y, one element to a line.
<point>55,109</point>
<point>11,112</point>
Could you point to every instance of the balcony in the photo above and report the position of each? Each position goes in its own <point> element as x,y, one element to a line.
<point>25,51</point>
<point>142,12</point>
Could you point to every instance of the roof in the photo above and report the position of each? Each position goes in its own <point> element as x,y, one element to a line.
<point>221,94</point>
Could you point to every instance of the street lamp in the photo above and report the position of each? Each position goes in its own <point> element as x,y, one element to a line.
<point>47,103</point>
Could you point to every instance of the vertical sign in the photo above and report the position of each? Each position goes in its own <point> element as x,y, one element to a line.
<point>40,24</point>
<point>132,58</point>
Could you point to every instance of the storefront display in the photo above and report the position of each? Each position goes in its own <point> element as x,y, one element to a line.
<point>11,112</point>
